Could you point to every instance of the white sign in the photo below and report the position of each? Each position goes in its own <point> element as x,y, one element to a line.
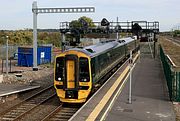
<point>42,54</point>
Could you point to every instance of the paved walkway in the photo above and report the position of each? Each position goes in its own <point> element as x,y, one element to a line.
<point>150,96</point>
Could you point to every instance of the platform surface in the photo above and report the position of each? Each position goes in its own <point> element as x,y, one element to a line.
<point>149,95</point>
<point>8,89</point>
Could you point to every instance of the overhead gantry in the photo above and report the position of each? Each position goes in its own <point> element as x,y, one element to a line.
<point>37,11</point>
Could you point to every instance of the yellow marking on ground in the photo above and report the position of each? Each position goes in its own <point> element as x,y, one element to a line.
<point>135,58</point>
<point>106,97</point>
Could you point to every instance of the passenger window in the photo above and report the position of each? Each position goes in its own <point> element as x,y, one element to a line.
<point>84,70</point>
<point>59,71</point>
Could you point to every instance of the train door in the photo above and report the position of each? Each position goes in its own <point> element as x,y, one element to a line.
<point>70,65</point>
<point>70,83</point>
<point>71,72</point>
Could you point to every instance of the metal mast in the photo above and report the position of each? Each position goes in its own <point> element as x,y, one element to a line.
<point>37,11</point>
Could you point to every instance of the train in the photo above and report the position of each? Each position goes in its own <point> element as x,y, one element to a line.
<point>78,71</point>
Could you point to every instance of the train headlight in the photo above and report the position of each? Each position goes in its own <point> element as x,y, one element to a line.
<point>85,80</point>
<point>59,79</point>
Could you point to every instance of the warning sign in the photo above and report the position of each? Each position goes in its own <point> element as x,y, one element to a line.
<point>42,54</point>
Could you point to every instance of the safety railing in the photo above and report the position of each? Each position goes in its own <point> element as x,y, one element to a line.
<point>172,74</point>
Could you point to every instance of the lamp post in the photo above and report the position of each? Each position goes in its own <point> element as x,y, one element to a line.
<point>7,55</point>
<point>130,78</point>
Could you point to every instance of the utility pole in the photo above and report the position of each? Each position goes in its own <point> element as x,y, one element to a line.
<point>37,11</point>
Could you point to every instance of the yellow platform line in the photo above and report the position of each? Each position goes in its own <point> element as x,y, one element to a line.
<point>107,96</point>
<point>136,57</point>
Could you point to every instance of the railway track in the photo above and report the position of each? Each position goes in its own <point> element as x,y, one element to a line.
<point>18,111</point>
<point>64,113</point>
<point>174,40</point>
<point>61,113</point>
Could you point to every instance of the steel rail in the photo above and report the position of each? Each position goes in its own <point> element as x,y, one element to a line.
<point>61,113</point>
<point>19,109</point>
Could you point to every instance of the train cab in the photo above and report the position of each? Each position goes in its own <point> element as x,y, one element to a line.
<point>72,79</point>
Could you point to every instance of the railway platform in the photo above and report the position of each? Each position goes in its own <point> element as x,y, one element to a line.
<point>150,100</point>
<point>10,89</point>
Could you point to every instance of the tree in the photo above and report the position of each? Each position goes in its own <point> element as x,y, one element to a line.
<point>176,33</point>
<point>88,20</point>
<point>2,37</point>
<point>82,22</point>
<point>75,24</point>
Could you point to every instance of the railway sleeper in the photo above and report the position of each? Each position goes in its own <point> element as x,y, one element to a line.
<point>13,113</point>
<point>7,119</point>
<point>9,116</point>
<point>18,111</point>
<point>20,108</point>
<point>65,113</point>
<point>62,117</point>
<point>32,101</point>
<point>57,119</point>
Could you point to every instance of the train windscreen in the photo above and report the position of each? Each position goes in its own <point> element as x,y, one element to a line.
<point>59,71</point>
<point>83,70</point>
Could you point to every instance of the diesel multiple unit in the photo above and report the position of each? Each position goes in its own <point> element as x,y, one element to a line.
<point>79,70</point>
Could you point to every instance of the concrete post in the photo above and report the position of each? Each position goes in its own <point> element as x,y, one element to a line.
<point>34,6</point>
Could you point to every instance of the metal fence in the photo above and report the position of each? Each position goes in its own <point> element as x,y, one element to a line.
<point>11,48</point>
<point>172,74</point>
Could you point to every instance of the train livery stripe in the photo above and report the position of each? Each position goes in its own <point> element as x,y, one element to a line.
<point>107,96</point>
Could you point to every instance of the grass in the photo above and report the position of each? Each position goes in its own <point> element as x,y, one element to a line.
<point>171,49</point>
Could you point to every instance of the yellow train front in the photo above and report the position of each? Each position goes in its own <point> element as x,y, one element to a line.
<point>73,76</point>
<point>79,71</point>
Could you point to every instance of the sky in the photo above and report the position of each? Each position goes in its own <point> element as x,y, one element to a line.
<point>17,14</point>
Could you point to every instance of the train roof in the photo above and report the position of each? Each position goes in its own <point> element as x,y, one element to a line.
<point>94,50</point>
